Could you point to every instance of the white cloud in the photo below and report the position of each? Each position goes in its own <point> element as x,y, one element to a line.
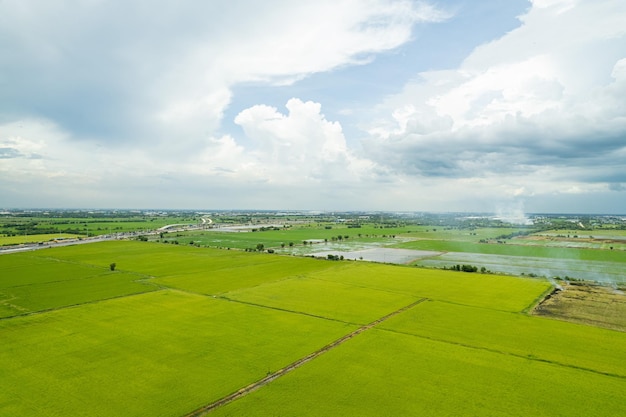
<point>545,98</point>
<point>300,152</point>
<point>486,97</point>
<point>139,72</point>
<point>300,145</point>
<point>561,5</point>
<point>119,102</point>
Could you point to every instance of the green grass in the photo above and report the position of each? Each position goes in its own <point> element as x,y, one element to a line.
<point>36,281</point>
<point>24,269</point>
<point>16,240</point>
<point>462,235</point>
<point>215,321</point>
<point>38,297</point>
<point>274,238</point>
<point>601,232</point>
<point>158,354</point>
<point>52,227</point>
<point>324,298</point>
<point>208,271</point>
<point>383,373</point>
<point>6,308</point>
<point>240,272</point>
<point>493,291</point>
<point>150,259</point>
<point>516,334</point>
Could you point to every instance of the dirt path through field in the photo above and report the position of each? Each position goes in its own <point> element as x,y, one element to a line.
<point>294,365</point>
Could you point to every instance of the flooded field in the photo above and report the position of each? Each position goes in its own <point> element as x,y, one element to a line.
<point>384,255</point>
<point>606,272</point>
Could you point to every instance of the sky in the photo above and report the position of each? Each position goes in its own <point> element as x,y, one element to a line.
<point>397,105</point>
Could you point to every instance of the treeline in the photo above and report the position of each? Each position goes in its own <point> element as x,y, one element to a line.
<point>466,268</point>
<point>512,235</point>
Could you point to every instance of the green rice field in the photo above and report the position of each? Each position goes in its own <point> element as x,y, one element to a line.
<point>33,228</point>
<point>174,329</point>
<point>20,239</point>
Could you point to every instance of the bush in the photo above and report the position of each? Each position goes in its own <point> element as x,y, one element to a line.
<point>469,268</point>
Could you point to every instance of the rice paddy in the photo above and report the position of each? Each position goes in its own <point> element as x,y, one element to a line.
<point>174,329</point>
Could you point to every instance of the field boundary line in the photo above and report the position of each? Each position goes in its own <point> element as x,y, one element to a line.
<point>507,353</point>
<point>107,272</point>
<point>53,309</point>
<point>294,365</point>
<point>540,299</point>
<point>285,310</point>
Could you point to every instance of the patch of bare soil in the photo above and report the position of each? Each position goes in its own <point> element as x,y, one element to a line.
<point>588,303</point>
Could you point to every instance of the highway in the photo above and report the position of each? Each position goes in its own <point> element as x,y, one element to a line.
<point>102,238</point>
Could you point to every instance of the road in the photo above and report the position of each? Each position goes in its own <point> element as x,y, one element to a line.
<point>102,238</point>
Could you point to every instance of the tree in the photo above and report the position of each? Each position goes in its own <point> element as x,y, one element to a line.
<point>260,247</point>
<point>468,268</point>
<point>112,266</point>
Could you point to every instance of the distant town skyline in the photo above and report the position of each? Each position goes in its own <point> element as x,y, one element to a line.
<point>396,105</point>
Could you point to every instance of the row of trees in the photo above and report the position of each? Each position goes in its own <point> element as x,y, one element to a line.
<point>466,268</point>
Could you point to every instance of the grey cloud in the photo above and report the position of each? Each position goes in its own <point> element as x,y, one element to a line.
<point>517,106</point>
<point>101,70</point>
<point>122,71</point>
<point>518,145</point>
<point>9,153</point>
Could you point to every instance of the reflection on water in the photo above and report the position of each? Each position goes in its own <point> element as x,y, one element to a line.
<point>385,255</point>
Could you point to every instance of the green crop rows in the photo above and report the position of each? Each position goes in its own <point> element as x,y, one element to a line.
<point>393,374</point>
<point>175,328</point>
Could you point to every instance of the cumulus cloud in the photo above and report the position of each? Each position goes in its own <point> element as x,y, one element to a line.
<point>298,153</point>
<point>115,103</point>
<point>545,98</point>
<point>104,99</point>
<point>136,72</point>
<point>301,144</point>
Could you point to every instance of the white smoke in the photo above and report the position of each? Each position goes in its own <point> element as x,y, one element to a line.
<point>513,213</point>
